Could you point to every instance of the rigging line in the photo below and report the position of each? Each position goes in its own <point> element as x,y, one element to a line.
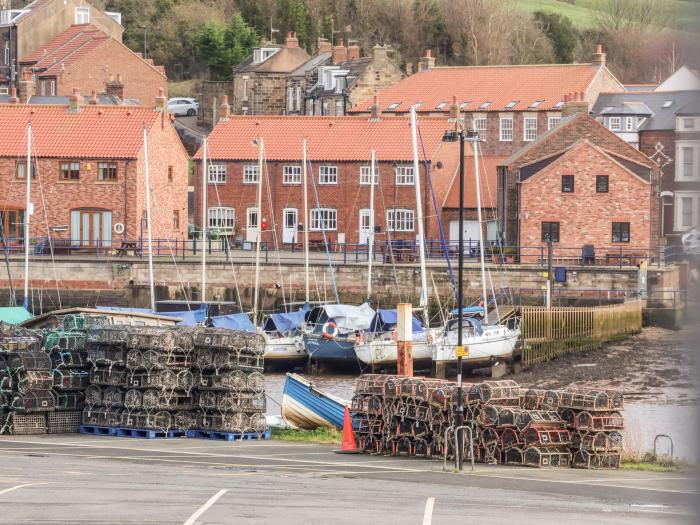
<point>389,244</point>
<point>323,231</point>
<point>27,173</point>
<point>274,235</point>
<point>228,244</point>
<point>3,237</point>
<point>179,278</point>
<point>443,242</point>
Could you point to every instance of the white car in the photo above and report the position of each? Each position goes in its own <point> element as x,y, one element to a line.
<point>183,106</point>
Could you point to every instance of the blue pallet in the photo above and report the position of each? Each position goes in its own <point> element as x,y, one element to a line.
<point>227,436</point>
<point>98,431</point>
<point>148,433</point>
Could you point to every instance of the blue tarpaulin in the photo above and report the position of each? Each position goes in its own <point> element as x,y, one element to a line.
<point>124,309</point>
<point>470,310</point>
<point>386,320</point>
<point>285,323</point>
<point>238,322</point>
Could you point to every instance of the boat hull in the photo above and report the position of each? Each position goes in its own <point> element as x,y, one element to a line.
<point>384,353</point>
<point>307,408</point>
<point>338,352</point>
<point>285,351</point>
<point>495,344</point>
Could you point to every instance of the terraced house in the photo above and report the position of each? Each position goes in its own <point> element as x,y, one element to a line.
<point>88,173</point>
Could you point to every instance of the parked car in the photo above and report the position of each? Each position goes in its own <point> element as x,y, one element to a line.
<point>183,106</point>
<point>691,241</point>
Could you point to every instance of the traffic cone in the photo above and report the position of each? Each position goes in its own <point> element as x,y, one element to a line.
<point>348,446</point>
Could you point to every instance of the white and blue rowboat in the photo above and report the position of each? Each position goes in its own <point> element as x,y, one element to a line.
<point>307,408</point>
<point>284,345</point>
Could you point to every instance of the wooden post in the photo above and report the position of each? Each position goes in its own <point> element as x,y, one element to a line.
<point>404,340</point>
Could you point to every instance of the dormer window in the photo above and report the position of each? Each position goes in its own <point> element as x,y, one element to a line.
<point>441,105</point>
<point>485,105</point>
<point>263,53</point>
<point>464,104</point>
<point>536,103</point>
<point>615,124</point>
<point>559,104</point>
<point>511,104</point>
<point>82,15</point>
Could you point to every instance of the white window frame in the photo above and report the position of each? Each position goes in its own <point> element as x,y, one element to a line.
<point>216,173</point>
<point>552,122</point>
<point>245,89</point>
<point>221,218</point>
<point>7,53</point>
<point>615,124</point>
<point>290,99</point>
<point>404,176</point>
<point>251,175</point>
<point>693,145</point>
<point>248,223</point>
<point>365,175</point>
<point>297,98</point>
<point>681,123</point>
<point>338,107</point>
<point>480,124</point>
<point>52,87</point>
<point>327,175</point>
<point>291,174</point>
<point>400,220</point>
<point>629,124</point>
<point>678,197</point>
<point>505,134</point>
<point>323,219</point>
<point>528,136</point>
<point>82,15</point>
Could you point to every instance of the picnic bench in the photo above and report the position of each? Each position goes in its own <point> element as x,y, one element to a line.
<point>129,246</point>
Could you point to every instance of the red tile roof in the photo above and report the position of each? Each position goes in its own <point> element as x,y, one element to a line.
<point>328,138</point>
<point>94,132</point>
<point>488,178</point>
<point>499,85</point>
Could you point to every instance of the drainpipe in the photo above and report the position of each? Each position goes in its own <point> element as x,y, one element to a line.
<point>126,222</point>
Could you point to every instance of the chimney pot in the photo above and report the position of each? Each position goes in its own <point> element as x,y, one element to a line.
<point>27,86</point>
<point>599,56</point>
<point>428,53</point>
<point>93,97</point>
<point>324,46</point>
<point>599,48</point>
<point>353,50</point>
<point>13,96</point>
<point>427,62</point>
<point>340,53</point>
<point>376,110</point>
<point>160,100</point>
<point>291,40</point>
<point>74,101</point>
<point>454,109</point>
<point>224,109</point>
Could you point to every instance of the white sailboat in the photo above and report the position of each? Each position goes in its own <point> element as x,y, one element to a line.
<point>487,343</point>
<point>379,349</point>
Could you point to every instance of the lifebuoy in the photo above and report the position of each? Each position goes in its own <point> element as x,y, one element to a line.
<point>330,330</point>
<point>119,228</point>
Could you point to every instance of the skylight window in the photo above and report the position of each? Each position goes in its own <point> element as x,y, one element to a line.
<point>667,104</point>
<point>465,104</point>
<point>485,105</point>
<point>511,104</point>
<point>607,108</point>
<point>393,106</point>
<point>441,105</point>
<point>418,104</point>
<point>536,103</point>
<point>559,104</point>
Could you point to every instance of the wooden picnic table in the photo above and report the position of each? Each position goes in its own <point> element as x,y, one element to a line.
<point>128,246</point>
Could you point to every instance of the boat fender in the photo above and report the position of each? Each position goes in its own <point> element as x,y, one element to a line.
<point>358,339</point>
<point>393,336</point>
<point>330,330</point>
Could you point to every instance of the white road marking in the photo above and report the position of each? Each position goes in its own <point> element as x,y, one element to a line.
<point>203,508</point>
<point>19,487</point>
<point>428,514</point>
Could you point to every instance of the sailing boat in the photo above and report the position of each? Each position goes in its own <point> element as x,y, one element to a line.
<point>379,348</point>
<point>486,343</point>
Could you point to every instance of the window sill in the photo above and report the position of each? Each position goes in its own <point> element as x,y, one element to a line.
<point>291,183</point>
<point>250,183</point>
<point>212,182</point>
<point>107,182</point>
<point>69,181</point>
<point>327,183</point>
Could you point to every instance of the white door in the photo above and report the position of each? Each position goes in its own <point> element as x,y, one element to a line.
<point>252,225</point>
<point>365,226</point>
<point>290,220</point>
<point>472,232</point>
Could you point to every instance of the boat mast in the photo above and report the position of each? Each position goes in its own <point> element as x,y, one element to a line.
<point>148,221</point>
<point>419,212</point>
<point>306,224</point>
<point>27,213</point>
<point>261,149</point>
<point>475,146</point>
<point>205,176</point>
<point>370,242</point>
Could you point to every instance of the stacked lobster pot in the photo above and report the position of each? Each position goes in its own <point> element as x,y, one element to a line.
<point>25,382</point>
<point>71,373</point>
<point>230,387</point>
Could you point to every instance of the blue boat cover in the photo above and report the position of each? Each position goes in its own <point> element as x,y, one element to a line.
<point>284,323</point>
<point>470,310</point>
<point>14,314</point>
<point>386,320</point>
<point>238,322</point>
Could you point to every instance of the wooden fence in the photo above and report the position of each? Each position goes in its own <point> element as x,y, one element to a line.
<point>547,333</point>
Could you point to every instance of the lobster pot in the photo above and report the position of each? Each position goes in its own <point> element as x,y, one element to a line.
<point>26,361</point>
<point>69,359</point>
<point>542,419</point>
<point>6,382</point>
<point>4,415</point>
<point>593,421</point>
<point>591,399</point>
<point>233,422</point>
<point>371,384</point>
<point>232,381</point>
<point>93,395</point>
<point>171,357</point>
<point>157,399</point>
<point>21,344</point>
<point>511,437</point>
<point>367,404</point>
<point>133,399</point>
<point>547,457</point>
<point>168,379</point>
<point>4,401</point>
<point>108,375</point>
<point>597,441</point>
<point>504,392</point>
<point>144,337</point>
<point>185,420</point>
<point>67,401</point>
<point>113,396</point>
<point>155,420</point>
<point>109,335</point>
<point>498,416</point>
<point>26,424</point>
<point>105,355</point>
<point>177,337</point>
<point>63,422</point>
<point>534,437</point>
<point>221,338</point>
<point>514,456</point>
<point>34,401</point>
<point>595,460</point>
<point>62,340</point>
<point>537,399</point>
<point>32,380</point>
<point>103,416</point>
<point>248,403</point>
<point>231,359</point>
<point>70,379</point>
<point>73,322</point>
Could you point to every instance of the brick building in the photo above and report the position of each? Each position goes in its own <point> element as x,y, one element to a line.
<point>24,30</point>
<point>338,78</point>
<point>510,106</point>
<point>339,152</point>
<point>579,184</point>
<point>664,125</point>
<point>86,57</point>
<point>88,173</point>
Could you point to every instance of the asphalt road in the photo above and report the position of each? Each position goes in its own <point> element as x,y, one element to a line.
<point>74,479</point>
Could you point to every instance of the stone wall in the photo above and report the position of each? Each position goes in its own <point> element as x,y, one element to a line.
<point>212,94</point>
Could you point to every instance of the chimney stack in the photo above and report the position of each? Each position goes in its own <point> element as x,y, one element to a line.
<point>376,109</point>
<point>427,62</point>
<point>599,56</point>
<point>115,87</point>
<point>13,96</point>
<point>340,53</point>
<point>409,69</point>
<point>454,109</point>
<point>353,50</point>
<point>224,109</point>
<point>574,103</point>
<point>160,100</point>
<point>324,46</point>
<point>379,53</point>
<point>93,98</point>
<point>27,86</point>
<point>74,101</point>
<point>291,40</point>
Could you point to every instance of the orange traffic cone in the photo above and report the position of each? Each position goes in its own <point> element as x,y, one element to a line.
<point>349,446</point>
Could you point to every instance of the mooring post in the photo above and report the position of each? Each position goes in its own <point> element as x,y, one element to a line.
<point>404,340</point>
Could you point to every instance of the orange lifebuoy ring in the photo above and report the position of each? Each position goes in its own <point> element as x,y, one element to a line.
<point>330,330</point>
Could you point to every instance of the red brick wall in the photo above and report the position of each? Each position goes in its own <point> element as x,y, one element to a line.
<point>585,216</point>
<point>91,71</point>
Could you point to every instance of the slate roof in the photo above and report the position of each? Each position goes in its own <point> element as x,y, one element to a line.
<point>649,103</point>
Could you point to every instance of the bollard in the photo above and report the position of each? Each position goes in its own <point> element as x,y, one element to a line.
<point>404,340</point>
